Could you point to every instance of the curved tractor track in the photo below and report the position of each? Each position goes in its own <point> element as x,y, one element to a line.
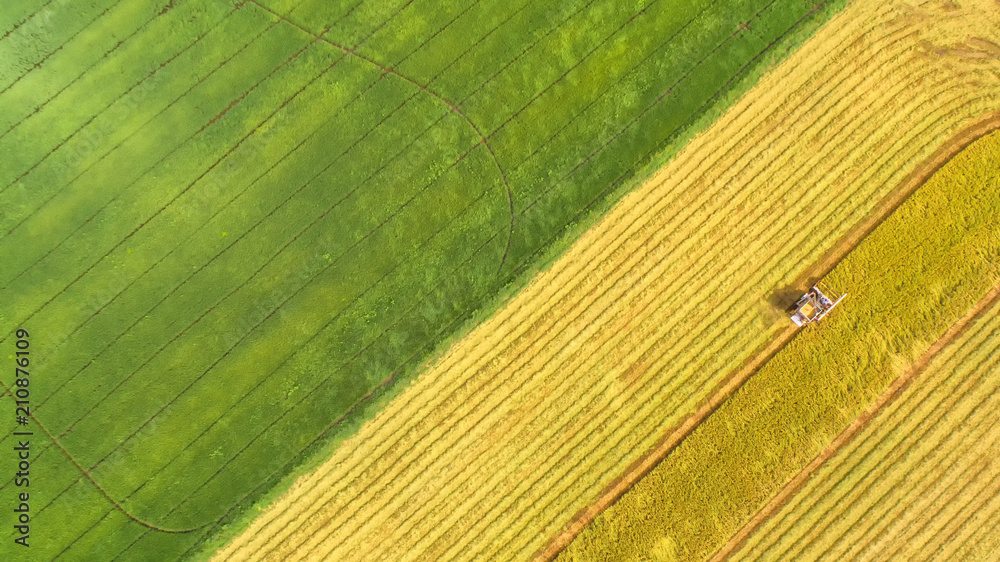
<point>526,421</point>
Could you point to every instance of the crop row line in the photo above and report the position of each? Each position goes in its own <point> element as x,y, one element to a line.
<point>25,20</point>
<point>894,416</point>
<point>220,358</point>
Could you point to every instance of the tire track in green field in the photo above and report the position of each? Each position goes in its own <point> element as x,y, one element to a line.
<point>452,106</point>
<point>38,65</point>
<point>25,20</point>
<point>103,59</point>
<point>93,482</point>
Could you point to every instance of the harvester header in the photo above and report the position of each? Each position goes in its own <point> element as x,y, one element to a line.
<point>815,304</point>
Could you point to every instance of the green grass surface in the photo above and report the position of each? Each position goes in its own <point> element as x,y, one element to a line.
<point>911,279</point>
<point>231,239</point>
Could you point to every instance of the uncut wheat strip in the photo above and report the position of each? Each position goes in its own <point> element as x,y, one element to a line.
<point>879,464</point>
<point>944,380</point>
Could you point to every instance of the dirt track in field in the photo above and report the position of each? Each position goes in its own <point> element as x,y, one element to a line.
<point>639,469</point>
<point>531,417</point>
<point>845,437</point>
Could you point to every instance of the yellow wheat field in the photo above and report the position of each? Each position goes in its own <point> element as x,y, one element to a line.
<point>921,482</point>
<point>492,450</point>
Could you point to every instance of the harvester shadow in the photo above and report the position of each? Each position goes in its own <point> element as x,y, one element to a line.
<point>784,298</point>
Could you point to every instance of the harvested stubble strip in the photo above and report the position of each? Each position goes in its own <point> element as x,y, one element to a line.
<point>917,274</point>
<point>527,419</point>
<point>910,482</point>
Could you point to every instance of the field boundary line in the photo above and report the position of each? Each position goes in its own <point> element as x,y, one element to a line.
<point>638,469</point>
<point>921,174</point>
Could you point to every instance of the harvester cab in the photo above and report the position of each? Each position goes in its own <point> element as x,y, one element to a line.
<point>815,304</point>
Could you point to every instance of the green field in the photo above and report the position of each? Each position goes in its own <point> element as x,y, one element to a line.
<point>908,282</point>
<point>231,228</point>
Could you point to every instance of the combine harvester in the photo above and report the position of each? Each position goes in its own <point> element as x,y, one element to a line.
<point>814,305</point>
